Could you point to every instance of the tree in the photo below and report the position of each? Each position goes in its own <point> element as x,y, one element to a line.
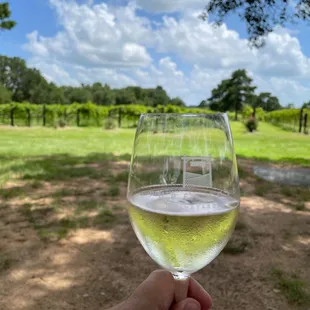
<point>5,95</point>
<point>290,106</point>
<point>177,102</point>
<point>261,17</point>
<point>204,104</point>
<point>79,95</point>
<point>158,96</point>
<point>231,94</point>
<point>103,95</point>
<point>125,96</point>
<point>19,79</point>
<point>265,101</point>
<point>5,13</point>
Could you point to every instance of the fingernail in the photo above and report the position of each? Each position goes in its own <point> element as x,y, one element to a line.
<point>191,305</point>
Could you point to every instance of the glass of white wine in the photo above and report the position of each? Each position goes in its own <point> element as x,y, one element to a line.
<point>183,190</point>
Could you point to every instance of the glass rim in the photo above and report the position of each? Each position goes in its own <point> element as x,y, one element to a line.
<point>184,114</point>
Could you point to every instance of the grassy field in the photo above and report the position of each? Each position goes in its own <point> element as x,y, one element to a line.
<point>63,206</point>
<point>269,143</point>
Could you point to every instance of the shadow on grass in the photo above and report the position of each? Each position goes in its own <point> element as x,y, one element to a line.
<point>61,193</point>
<point>103,262</point>
<point>300,161</point>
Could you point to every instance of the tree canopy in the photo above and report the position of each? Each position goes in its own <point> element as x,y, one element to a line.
<point>231,94</point>
<point>261,17</point>
<point>234,93</point>
<point>5,22</point>
<point>20,83</point>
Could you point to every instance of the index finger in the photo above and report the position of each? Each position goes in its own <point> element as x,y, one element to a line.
<point>196,291</point>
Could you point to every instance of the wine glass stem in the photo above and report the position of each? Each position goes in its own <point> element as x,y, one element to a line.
<point>181,287</point>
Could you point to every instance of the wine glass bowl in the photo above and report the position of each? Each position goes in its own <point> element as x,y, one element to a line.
<point>183,189</point>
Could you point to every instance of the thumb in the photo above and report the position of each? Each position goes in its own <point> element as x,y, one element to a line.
<point>187,304</point>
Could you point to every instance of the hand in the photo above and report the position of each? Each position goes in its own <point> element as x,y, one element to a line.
<point>157,293</point>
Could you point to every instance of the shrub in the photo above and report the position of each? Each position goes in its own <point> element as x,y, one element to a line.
<point>62,123</point>
<point>251,124</point>
<point>110,124</point>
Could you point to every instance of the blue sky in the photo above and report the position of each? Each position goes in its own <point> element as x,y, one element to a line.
<point>153,42</point>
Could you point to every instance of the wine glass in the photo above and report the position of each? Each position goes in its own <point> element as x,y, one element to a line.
<point>183,190</point>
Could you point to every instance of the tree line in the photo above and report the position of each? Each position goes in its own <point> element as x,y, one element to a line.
<point>19,83</point>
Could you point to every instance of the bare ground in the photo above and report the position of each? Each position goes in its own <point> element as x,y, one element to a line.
<point>95,265</point>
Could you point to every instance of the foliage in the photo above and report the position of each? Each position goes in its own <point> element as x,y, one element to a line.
<point>260,17</point>
<point>27,84</point>
<point>231,94</point>
<point>248,111</point>
<point>265,101</point>
<point>110,124</point>
<point>5,13</point>
<point>5,95</point>
<point>19,79</point>
<point>87,114</point>
<point>286,118</point>
<point>251,124</point>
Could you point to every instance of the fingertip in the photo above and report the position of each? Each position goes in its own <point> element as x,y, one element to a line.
<point>187,304</point>
<point>197,292</point>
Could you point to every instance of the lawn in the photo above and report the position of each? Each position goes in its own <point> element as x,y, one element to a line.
<point>269,143</point>
<point>66,242</point>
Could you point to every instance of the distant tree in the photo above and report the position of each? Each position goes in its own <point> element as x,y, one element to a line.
<point>261,17</point>
<point>268,102</point>
<point>158,96</point>
<point>125,96</point>
<point>306,105</point>
<point>28,84</point>
<point>79,95</point>
<point>5,14</point>
<point>103,95</point>
<point>177,102</point>
<point>5,95</point>
<point>265,101</point>
<point>204,104</point>
<point>290,106</point>
<point>231,94</point>
<point>19,79</point>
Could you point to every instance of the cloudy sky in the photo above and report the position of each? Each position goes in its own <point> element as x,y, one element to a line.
<point>153,42</point>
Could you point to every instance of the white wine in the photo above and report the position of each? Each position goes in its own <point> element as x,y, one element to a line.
<point>183,228</point>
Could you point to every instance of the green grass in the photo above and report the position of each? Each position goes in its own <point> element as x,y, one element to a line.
<point>292,287</point>
<point>38,155</point>
<point>269,143</point>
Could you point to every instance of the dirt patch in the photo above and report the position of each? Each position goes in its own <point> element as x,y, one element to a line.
<point>98,261</point>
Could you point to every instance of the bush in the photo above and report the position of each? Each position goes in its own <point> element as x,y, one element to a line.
<point>110,124</point>
<point>251,124</point>
<point>62,123</point>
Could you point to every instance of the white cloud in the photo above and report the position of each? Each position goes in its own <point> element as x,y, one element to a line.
<point>94,36</point>
<point>170,5</point>
<point>114,44</point>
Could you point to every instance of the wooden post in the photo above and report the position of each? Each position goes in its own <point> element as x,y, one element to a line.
<point>236,113</point>
<point>300,120</point>
<point>78,118</point>
<point>12,116</point>
<point>29,117</point>
<point>305,123</point>
<point>44,115</point>
<point>119,117</point>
